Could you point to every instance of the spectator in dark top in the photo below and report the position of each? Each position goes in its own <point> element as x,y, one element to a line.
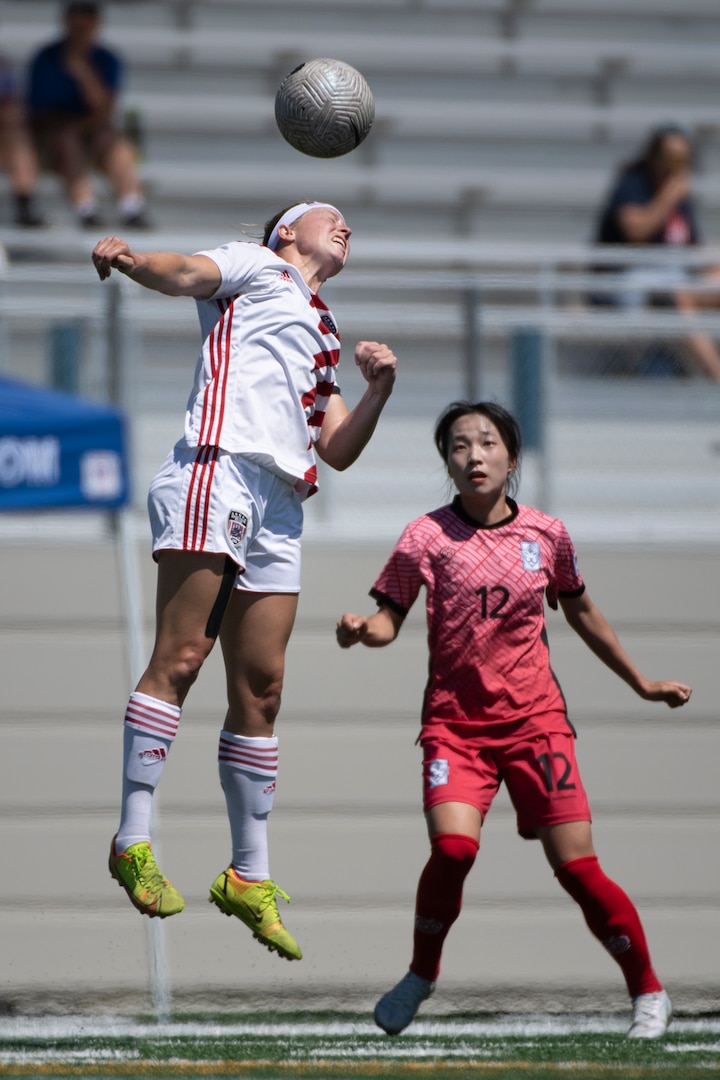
<point>651,203</point>
<point>72,95</point>
<point>17,156</point>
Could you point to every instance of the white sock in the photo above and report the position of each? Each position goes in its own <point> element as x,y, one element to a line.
<point>86,208</point>
<point>149,731</point>
<point>248,771</point>
<point>130,205</point>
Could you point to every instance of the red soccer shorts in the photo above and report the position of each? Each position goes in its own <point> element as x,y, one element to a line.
<point>540,773</point>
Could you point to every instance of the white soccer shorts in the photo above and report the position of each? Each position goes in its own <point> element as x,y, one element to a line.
<point>206,499</point>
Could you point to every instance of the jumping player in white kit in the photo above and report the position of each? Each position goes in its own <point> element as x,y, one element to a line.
<point>226,516</point>
<point>493,711</point>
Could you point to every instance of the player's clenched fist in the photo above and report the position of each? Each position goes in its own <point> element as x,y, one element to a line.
<point>112,253</point>
<point>673,693</point>
<point>350,630</point>
<point>377,363</point>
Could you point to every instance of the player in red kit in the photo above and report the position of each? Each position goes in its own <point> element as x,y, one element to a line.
<point>493,711</point>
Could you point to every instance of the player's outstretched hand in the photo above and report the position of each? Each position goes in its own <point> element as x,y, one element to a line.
<point>350,630</point>
<point>672,693</point>
<point>112,253</point>
<point>377,363</point>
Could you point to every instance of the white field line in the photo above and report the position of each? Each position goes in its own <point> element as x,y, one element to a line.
<point>83,1028</point>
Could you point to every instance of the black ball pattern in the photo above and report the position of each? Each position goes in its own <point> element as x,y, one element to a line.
<point>324,108</point>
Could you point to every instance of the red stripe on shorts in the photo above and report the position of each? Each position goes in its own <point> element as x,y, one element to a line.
<point>198,499</point>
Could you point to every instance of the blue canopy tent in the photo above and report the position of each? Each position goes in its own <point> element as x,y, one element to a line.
<point>57,450</point>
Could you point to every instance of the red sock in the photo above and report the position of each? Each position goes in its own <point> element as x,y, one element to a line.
<point>612,918</point>
<point>439,898</point>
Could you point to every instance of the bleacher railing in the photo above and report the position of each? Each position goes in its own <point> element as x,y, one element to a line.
<point>621,428</point>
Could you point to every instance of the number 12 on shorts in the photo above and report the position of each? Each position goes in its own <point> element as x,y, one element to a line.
<point>556,770</point>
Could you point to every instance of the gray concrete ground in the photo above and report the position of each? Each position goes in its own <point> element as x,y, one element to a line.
<point>347,834</point>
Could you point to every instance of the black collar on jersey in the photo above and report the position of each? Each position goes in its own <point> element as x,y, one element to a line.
<point>458,508</point>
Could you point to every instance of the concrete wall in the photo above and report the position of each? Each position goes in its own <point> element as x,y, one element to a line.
<point>347,837</point>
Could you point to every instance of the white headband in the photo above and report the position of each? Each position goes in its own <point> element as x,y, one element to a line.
<point>293,214</point>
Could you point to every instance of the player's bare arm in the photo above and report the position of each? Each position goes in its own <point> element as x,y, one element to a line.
<point>374,630</point>
<point>640,222</point>
<point>592,627</point>
<point>345,433</point>
<point>98,98</point>
<point>163,271</point>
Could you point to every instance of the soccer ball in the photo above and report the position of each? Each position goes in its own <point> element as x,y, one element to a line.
<point>324,108</point>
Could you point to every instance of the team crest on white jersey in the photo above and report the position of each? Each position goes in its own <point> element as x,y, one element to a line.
<point>327,319</point>
<point>237,524</point>
<point>530,551</point>
<point>438,772</point>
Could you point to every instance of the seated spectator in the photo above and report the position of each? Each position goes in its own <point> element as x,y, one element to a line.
<point>73,86</point>
<point>651,203</point>
<point>17,156</point>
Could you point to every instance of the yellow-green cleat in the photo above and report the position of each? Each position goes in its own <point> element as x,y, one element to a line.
<point>139,875</point>
<point>254,903</point>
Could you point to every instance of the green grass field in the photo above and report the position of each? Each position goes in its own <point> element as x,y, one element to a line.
<point>340,1045</point>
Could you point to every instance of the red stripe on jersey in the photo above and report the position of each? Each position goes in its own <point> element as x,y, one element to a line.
<point>315,401</point>
<point>322,400</point>
<point>211,386</point>
<point>226,350</point>
<point>310,477</point>
<point>215,391</point>
<point>326,358</point>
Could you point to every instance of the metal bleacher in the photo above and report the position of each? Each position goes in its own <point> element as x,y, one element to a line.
<point>491,114</point>
<point>499,125</point>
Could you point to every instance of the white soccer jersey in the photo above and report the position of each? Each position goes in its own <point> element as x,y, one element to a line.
<point>267,368</point>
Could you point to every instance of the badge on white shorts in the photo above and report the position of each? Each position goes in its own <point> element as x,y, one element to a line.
<point>438,772</point>
<point>237,524</point>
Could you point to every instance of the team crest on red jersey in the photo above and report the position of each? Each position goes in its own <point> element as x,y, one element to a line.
<point>530,552</point>
<point>237,524</point>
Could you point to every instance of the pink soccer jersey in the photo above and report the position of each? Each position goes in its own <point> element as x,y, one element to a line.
<point>486,589</point>
<point>267,368</point>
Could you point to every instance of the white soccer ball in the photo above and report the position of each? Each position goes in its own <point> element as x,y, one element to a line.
<point>324,108</point>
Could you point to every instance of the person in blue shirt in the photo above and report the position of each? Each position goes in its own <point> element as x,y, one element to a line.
<point>651,200</point>
<point>73,86</point>
<point>651,203</point>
